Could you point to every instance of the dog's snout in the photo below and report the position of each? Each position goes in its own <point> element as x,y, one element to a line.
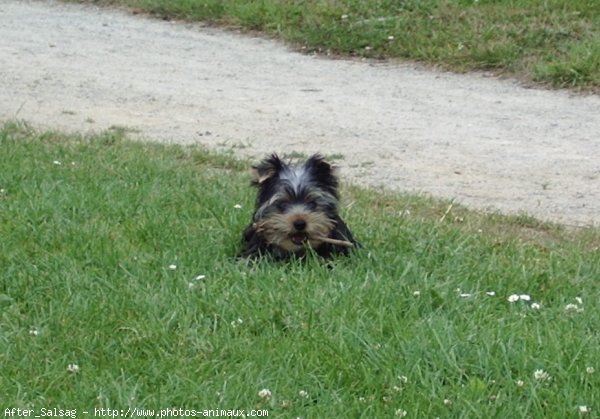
<point>299,225</point>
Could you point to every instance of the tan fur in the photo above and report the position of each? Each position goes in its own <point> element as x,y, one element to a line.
<point>278,229</point>
<point>258,178</point>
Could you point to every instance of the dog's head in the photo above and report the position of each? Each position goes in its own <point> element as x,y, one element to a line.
<point>296,205</point>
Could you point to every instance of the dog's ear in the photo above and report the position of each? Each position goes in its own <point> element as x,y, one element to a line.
<point>266,169</point>
<point>324,171</point>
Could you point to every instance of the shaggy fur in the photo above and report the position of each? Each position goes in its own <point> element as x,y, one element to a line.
<point>296,207</point>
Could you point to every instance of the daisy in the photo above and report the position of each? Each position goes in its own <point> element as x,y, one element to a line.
<point>583,409</point>
<point>265,393</point>
<point>573,307</point>
<point>541,375</point>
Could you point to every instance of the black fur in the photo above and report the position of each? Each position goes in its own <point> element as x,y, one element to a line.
<point>296,206</point>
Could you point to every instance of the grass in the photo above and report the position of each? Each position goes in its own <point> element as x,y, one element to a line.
<point>552,42</point>
<point>101,252</point>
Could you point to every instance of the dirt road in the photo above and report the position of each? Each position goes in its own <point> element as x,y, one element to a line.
<point>490,144</point>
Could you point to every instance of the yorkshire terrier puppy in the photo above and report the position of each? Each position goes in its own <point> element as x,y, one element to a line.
<point>296,209</point>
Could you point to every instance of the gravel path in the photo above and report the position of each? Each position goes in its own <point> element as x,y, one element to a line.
<point>490,144</point>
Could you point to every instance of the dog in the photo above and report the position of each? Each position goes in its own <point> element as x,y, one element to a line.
<point>296,210</point>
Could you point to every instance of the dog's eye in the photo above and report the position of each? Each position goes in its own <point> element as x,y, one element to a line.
<point>311,205</point>
<point>282,206</point>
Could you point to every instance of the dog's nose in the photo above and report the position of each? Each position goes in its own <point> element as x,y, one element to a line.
<point>299,225</point>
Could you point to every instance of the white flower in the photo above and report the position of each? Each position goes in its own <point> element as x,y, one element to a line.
<point>34,332</point>
<point>237,322</point>
<point>535,306</point>
<point>590,370</point>
<point>490,293</point>
<point>401,413</point>
<point>416,293</point>
<point>573,307</point>
<point>583,409</point>
<point>391,38</point>
<point>513,298</point>
<point>579,300</point>
<point>57,163</point>
<point>303,394</point>
<point>447,402</point>
<point>73,368</point>
<point>541,375</point>
<point>196,281</point>
<point>265,393</point>
<point>466,295</point>
<point>344,17</point>
<point>237,206</point>
<point>520,383</point>
<point>172,267</point>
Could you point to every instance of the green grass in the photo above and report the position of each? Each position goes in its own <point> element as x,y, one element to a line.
<point>88,233</point>
<point>554,42</point>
